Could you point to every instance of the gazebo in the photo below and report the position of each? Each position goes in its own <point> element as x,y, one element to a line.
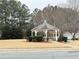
<point>49,31</point>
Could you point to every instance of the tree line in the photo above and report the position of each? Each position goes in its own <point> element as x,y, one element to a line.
<point>13,18</point>
<point>14,15</point>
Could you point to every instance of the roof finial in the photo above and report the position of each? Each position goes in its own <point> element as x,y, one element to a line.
<point>45,21</point>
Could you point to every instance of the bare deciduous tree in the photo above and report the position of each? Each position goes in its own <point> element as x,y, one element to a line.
<point>74,4</point>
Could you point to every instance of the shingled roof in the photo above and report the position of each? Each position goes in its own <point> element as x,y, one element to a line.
<point>44,26</point>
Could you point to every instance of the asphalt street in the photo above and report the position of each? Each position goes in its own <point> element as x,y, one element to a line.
<point>40,55</point>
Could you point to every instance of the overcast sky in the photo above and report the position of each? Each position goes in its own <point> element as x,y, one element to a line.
<point>32,4</point>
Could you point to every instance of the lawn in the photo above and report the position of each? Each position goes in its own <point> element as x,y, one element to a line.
<point>22,44</point>
<point>74,43</point>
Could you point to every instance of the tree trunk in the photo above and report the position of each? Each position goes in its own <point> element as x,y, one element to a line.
<point>73,36</point>
<point>61,36</point>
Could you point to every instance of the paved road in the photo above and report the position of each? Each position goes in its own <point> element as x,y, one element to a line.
<point>40,55</point>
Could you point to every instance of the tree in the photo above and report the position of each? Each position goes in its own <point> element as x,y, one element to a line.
<point>37,16</point>
<point>14,13</point>
<point>74,4</point>
<point>28,31</point>
<point>12,33</point>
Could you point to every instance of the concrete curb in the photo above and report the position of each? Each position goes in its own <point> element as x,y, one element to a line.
<point>37,50</point>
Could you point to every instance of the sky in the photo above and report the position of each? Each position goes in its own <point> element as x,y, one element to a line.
<point>40,4</point>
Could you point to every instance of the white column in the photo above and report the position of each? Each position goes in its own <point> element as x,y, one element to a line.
<point>56,35</point>
<point>35,33</point>
<point>46,34</point>
<point>31,33</point>
<point>53,35</point>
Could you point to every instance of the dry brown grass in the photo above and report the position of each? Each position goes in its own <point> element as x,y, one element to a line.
<point>22,44</point>
<point>74,43</point>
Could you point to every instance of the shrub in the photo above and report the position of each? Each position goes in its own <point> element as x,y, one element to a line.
<point>38,39</point>
<point>30,38</point>
<point>28,33</point>
<point>35,38</point>
<point>12,33</point>
<point>60,37</point>
<point>65,39</point>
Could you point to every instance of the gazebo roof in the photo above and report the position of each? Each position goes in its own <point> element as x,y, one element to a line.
<point>44,26</point>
